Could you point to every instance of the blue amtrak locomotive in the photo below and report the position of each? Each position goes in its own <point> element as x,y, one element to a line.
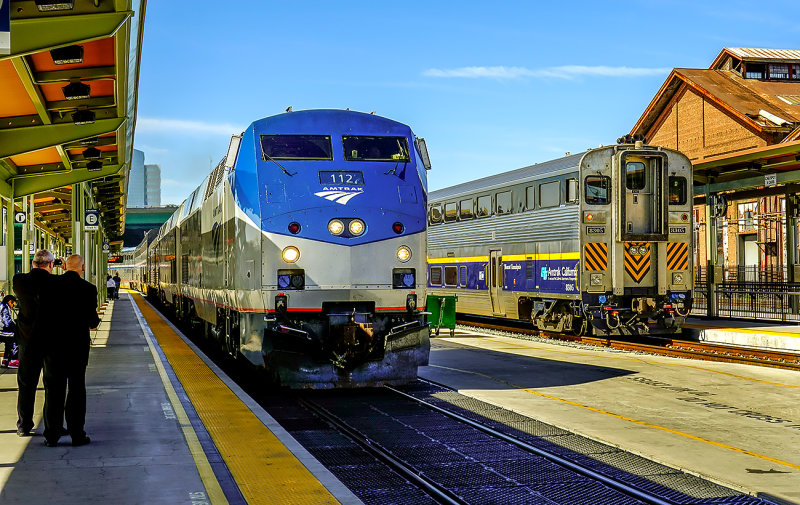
<point>598,241</point>
<point>303,251</point>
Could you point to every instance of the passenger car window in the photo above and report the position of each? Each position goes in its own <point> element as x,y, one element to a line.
<point>465,211</point>
<point>451,276</point>
<point>572,190</point>
<point>450,212</point>
<point>529,199</point>
<point>462,276</point>
<point>635,175</point>
<point>484,204</point>
<point>677,190</point>
<point>503,202</point>
<point>436,276</point>
<point>435,214</point>
<point>597,188</point>
<point>549,194</point>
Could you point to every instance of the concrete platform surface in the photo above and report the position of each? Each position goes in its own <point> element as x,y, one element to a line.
<point>736,425</point>
<point>761,334</point>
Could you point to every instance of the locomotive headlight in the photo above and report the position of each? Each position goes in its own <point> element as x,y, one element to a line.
<point>677,278</point>
<point>356,227</point>
<point>290,254</point>
<point>403,253</point>
<point>336,227</point>
<point>596,279</point>
<point>642,250</point>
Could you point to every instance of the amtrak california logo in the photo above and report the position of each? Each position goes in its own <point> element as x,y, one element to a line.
<point>339,194</point>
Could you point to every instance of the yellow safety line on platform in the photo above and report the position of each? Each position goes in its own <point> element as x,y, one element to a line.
<point>265,470</point>
<point>624,418</point>
<point>742,330</point>
<point>521,346</point>
<point>214,492</point>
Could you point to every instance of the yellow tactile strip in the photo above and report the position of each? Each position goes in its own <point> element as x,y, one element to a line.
<point>265,470</point>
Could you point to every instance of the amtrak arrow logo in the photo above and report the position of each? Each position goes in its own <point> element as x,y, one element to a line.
<point>339,195</point>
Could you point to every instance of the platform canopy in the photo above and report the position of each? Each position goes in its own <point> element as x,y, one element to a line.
<point>68,106</point>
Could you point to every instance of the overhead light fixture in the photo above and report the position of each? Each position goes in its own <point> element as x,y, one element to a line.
<point>67,55</point>
<point>83,117</point>
<point>91,153</point>
<point>94,165</point>
<point>77,91</point>
<point>54,5</point>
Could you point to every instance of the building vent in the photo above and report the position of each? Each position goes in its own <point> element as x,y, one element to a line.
<point>790,99</point>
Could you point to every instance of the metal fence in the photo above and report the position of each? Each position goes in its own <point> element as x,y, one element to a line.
<point>749,293</point>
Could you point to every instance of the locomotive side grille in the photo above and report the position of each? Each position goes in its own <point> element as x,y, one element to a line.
<point>637,265</point>
<point>596,256</point>
<point>677,256</point>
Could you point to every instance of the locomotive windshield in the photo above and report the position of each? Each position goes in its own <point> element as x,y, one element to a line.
<point>597,188</point>
<point>363,148</point>
<point>296,147</point>
<point>677,190</point>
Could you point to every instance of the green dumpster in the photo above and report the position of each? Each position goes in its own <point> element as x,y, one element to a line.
<point>442,312</point>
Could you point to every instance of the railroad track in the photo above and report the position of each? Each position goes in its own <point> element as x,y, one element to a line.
<point>665,347</point>
<point>458,450</point>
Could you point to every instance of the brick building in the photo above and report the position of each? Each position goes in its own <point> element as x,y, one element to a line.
<point>739,123</point>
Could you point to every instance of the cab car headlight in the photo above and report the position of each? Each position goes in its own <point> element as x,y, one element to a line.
<point>677,278</point>
<point>290,254</point>
<point>356,227</point>
<point>336,227</point>
<point>403,253</point>
<point>596,279</point>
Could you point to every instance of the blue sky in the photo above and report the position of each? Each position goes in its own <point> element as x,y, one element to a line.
<point>491,86</point>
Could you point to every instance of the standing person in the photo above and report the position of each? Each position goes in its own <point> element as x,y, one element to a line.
<point>37,295</point>
<point>66,358</point>
<point>117,283</point>
<point>8,332</point>
<point>110,287</point>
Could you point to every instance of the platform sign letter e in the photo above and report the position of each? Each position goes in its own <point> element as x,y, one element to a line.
<point>5,26</point>
<point>91,220</point>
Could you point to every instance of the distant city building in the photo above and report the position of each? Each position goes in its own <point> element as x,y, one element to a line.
<point>144,183</point>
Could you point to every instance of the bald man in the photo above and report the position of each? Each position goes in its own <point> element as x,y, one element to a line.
<point>66,359</point>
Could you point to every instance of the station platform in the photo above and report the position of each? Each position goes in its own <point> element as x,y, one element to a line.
<point>166,426</point>
<point>761,334</point>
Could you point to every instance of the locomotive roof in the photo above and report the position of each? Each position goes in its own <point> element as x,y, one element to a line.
<point>537,170</point>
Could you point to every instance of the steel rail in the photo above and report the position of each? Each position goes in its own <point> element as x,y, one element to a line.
<point>615,484</point>
<point>438,493</point>
<point>669,347</point>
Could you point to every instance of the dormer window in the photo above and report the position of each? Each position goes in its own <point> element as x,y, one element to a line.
<point>778,71</point>
<point>754,71</point>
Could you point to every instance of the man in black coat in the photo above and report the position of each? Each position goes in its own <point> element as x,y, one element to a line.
<point>37,295</point>
<point>66,358</point>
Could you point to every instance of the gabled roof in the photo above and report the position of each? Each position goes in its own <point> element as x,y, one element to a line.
<point>755,54</point>
<point>745,99</point>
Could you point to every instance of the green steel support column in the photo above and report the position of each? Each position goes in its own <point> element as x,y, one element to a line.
<point>10,242</point>
<point>77,218</point>
<point>711,258</point>
<point>791,247</point>
<point>24,256</point>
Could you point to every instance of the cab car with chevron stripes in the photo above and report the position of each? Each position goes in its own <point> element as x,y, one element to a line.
<point>599,241</point>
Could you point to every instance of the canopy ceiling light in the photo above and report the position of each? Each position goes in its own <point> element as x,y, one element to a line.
<point>77,91</point>
<point>83,117</point>
<point>54,5</point>
<point>90,141</point>
<point>94,165</point>
<point>91,153</point>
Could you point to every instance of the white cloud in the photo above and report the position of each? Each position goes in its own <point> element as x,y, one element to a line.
<point>563,72</point>
<point>161,125</point>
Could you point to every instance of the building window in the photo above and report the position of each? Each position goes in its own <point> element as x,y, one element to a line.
<point>778,71</point>
<point>503,201</point>
<point>465,211</point>
<point>754,71</point>
<point>450,212</point>
<point>484,204</point>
